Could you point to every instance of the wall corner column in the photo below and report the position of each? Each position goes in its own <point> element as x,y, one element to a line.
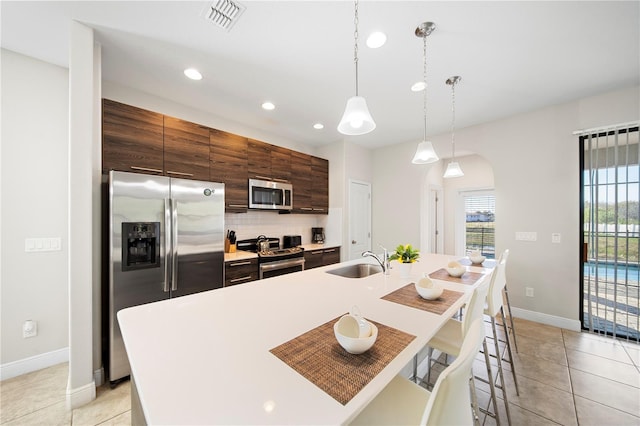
<point>81,386</point>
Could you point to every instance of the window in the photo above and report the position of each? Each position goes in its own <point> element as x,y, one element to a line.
<point>479,222</point>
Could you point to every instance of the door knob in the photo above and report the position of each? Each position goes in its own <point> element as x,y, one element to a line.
<point>353,241</point>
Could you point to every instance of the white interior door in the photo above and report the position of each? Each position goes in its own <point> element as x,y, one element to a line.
<point>359,218</point>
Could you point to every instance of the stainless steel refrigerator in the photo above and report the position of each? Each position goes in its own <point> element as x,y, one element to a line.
<point>166,240</point>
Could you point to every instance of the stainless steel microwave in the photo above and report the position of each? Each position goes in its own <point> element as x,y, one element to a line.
<point>265,194</point>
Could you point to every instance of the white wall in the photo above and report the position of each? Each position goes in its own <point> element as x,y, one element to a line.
<point>535,162</point>
<point>34,204</point>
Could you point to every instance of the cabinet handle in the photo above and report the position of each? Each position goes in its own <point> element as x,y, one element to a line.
<point>238,205</point>
<point>320,210</point>
<point>145,169</point>
<point>240,263</point>
<point>280,180</point>
<point>263,177</point>
<point>306,208</point>
<point>330,250</point>
<point>248,277</point>
<point>316,252</point>
<point>179,173</point>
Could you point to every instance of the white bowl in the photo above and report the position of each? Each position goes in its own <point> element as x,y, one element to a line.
<point>477,259</point>
<point>356,345</point>
<point>457,271</point>
<point>427,289</point>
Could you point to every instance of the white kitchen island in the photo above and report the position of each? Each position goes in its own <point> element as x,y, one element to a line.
<point>205,358</point>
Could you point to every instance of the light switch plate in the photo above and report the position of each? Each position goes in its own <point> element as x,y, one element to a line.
<point>556,238</point>
<point>526,236</point>
<point>42,244</point>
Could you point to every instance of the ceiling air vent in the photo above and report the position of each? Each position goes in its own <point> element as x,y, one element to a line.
<point>223,13</point>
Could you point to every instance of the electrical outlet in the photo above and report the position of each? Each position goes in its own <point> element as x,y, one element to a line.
<point>29,329</point>
<point>529,291</point>
<point>556,238</point>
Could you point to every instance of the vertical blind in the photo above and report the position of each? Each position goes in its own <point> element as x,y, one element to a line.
<point>610,219</point>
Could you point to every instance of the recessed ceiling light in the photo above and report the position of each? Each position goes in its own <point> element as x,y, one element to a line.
<point>318,126</point>
<point>193,74</point>
<point>418,86</point>
<point>268,106</point>
<point>376,39</point>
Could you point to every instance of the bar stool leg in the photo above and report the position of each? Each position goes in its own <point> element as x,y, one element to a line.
<point>475,409</point>
<point>502,386</point>
<point>494,400</point>
<point>513,368</point>
<point>513,330</point>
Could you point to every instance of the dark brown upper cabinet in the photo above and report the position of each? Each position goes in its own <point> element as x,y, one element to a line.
<point>320,185</point>
<point>132,139</point>
<point>228,164</point>
<point>302,182</point>
<point>186,149</point>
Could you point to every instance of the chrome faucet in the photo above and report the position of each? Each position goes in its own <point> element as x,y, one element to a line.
<point>387,262</point>
<point>383,263</point>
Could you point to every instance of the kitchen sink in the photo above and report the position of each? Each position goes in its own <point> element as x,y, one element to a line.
<point>359,270</point>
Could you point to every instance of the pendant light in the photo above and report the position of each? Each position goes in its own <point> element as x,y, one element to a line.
<point>425,153</point>
<point>453,168</point>
<point>356,119</point>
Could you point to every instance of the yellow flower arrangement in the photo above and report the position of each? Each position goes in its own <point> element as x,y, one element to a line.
<point>405,254</point>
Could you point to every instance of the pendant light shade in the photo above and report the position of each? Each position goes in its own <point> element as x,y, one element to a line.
<point>425,154</point>
<point>453,170</point>
<point>356,119</point>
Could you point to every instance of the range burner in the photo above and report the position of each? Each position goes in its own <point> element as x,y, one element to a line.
<point>282,252</point>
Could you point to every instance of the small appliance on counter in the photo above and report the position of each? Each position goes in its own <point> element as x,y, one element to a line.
<point>289,241</point>
<point>317,235</point>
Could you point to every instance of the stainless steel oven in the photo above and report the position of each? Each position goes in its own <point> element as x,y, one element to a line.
<point>273,268</point>
<point>272,260</point>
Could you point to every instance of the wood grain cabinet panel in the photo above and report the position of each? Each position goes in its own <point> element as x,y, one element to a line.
<point>186,149</point>
<point>241,271</point>
<point>280,164</point>
<point>132,139</point>
<point>259,160</point>
<point>228,164</point>
<point>321,257</point>
<point>320,185</point>
<point>301,180</point>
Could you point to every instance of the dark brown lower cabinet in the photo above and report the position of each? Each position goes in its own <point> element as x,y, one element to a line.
<point>240,271</point>
<point>321,257</point>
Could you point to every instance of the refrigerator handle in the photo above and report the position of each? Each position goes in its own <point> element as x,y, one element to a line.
<point>174,245</point>
<point>167,244</point>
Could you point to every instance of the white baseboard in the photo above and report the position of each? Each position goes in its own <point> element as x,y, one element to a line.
<point>80,396</point>
<point>566,323</point>
<point>34,363</point>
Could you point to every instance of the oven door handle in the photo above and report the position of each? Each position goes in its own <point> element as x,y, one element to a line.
<point>280,264</point>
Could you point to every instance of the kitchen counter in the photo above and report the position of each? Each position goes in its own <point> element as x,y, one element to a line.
<point>318,246</point>
<point>239,255</point>
<point>204,358</point>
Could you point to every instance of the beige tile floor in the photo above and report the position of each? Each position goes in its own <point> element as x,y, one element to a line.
<point>565,378</point>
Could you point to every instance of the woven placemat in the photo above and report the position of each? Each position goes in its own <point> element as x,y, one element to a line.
<point>318,357</point>
<point>467,278</point>
<point>408,296</point>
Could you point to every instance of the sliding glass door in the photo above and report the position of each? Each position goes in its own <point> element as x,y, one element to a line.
<point>610,223</point>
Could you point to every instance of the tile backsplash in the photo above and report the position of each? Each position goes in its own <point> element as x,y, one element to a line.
<point>271,224</point>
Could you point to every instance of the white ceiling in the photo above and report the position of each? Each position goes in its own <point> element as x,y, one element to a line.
<point>513,57</point>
